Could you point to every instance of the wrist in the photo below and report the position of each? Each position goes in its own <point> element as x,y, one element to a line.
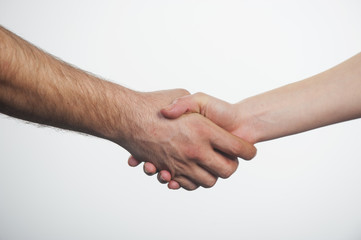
<point>251,127</point>
<point>116,117</point>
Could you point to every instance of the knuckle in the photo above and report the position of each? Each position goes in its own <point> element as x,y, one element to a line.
<point>210,183</point>
<point>192,152</point>
<point>205,161</point>
<point>199,95</point>
<point>227,171</point>
<point>190,188</point>
<point>183,91</point>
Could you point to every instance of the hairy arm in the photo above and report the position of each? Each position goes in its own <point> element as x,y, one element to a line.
<point>37,87</point>
<point>40,88</point>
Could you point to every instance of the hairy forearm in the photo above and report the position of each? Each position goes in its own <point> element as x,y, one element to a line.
<point>40,88</point>
<point>329,97</point>
<point>37,87</point>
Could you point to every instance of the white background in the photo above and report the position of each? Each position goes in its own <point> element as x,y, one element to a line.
<point>56,184</point>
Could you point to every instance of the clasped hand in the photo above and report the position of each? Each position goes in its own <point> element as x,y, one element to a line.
<point>196,151</point>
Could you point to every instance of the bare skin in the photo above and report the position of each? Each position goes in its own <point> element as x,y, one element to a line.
<point>37,87</point>
<point>330,97</point>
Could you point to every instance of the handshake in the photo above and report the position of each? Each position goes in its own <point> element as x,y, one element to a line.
<point>197,138</point>
<point>191,142</point>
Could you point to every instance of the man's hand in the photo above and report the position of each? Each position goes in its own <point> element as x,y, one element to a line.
<point>37,87</point>
<point>193,150</point>
<point>220,112</point>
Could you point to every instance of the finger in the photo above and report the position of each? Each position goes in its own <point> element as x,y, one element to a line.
<point>218,164</point>
<point>186,183</point>
<point>187,104</point>
<point>173,185</point>
<point>202,177</point>
<point>133,162</point>
<point>231,144</point>
<point>164,176</point>
<point>149,168</point>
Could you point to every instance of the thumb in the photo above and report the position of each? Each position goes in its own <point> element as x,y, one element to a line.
<point>181,106</point>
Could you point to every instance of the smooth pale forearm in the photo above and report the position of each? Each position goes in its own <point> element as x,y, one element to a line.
<point>327,98</point>
<point>38,87</point>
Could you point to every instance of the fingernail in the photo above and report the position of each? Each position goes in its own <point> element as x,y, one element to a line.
<point>161,178</point>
